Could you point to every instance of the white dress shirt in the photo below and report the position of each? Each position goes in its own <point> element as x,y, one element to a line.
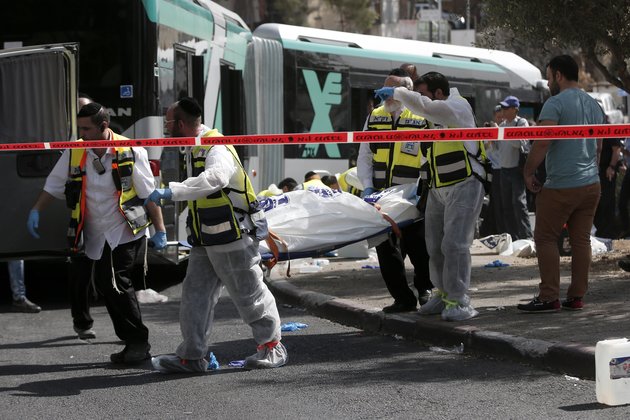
<point>103,220</point>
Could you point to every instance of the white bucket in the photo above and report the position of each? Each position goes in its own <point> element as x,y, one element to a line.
<point>612,371</point>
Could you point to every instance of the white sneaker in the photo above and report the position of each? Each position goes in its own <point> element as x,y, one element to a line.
<point>150,296</point>
<point>267,357</point>
<point>434,306</point>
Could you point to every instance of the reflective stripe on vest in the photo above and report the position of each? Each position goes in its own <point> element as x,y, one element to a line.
<point>76,182</point>
<point>129,204</point>
<point>213,220</point>
<point>395,163</point>
<point>450,162</point>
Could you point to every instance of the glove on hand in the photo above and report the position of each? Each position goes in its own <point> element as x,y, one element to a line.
<point>384,93</point>
<point>158,241</point>
<point>32,224</point>
<point>158,195</point>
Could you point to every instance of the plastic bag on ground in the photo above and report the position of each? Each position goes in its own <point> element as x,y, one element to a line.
<point>499,244</point>
<point>523,248</point>
<point>600,245</point>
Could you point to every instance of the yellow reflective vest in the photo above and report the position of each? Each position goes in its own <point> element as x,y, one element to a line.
<point>449,163</point>
<point>395,163</point>
<point>130,205</point>
<point>343,184</point>
<point>214,219</point>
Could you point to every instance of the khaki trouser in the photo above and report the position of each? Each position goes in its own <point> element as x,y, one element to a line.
<point>555,207</point>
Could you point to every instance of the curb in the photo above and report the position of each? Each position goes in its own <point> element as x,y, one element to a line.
<point>568,358</point>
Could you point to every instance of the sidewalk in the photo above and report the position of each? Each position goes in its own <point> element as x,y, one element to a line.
<point>345,292</point>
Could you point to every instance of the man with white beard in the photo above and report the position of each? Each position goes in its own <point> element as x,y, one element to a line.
<point>383,165</point>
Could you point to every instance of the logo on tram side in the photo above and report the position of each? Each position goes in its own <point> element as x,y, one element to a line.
<point>322,98</point>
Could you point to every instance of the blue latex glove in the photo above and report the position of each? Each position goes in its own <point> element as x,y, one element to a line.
<point>292,326</point>
<point>213,364</point>
<point>158,195</point>
<point>384,93</point>
<point>32,224</point>
<point>368,191</point>
<point>158,241</point>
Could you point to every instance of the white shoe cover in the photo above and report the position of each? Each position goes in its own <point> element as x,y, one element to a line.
<point>266,357</point>
<point>434,306</point>
<point>170,363</point>
<point>459,313</point>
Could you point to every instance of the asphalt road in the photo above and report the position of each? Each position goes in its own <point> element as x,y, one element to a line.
<point>333,372</point>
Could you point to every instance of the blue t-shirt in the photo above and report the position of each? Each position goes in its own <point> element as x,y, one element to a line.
<point>572,163</point>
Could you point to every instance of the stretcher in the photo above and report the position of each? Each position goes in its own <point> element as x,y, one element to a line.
<point>315,221</point>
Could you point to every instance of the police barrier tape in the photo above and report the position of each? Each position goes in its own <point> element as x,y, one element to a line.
<point>447,134</point>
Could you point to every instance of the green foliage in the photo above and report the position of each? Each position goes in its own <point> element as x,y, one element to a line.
<point>290,12</point>
<point>354,15</point>
<point>600,29</point>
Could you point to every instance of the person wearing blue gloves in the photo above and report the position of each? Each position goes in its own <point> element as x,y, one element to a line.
<point>105,189</point>
<point>225,226</point>
<point>383,165</point>
<point>455,194</point>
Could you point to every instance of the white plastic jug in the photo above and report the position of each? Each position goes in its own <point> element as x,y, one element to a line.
<point>612,371</point>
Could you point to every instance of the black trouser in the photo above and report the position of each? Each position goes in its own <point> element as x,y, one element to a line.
<point>605,214</point>
<point>391,259</point>
<point>80,286</point>
<point>624,198</point>
<point>492,214</point>
<point>121,301</point>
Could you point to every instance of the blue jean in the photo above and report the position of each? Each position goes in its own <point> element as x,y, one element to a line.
<point>514,200</point>
<point>16,279</point>
<point>450,220</point>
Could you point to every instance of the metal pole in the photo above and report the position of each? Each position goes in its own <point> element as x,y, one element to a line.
<point>467,14</point>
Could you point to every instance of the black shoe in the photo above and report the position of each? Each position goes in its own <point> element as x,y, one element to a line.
<point>132,354</point>
<point>624,264</point>
<point>85,334</point>
<point>424,296</point>
<point>25,305</point>
<point>398,307</point>
<point>537,305</point>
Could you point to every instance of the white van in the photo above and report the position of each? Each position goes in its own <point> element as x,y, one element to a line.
<point>605,100</point>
